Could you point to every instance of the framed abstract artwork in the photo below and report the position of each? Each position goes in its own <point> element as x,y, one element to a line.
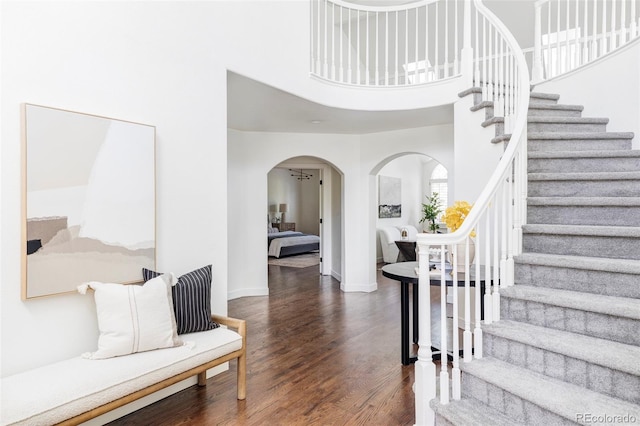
<point>389,197</point>
<point>88,200</point>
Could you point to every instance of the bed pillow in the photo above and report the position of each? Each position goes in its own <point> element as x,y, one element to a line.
<point>133,318</point>
<point>191,300</point>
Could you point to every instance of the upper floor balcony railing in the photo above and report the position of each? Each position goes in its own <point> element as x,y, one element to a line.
<point>572,33</point>
<point>401,45</point>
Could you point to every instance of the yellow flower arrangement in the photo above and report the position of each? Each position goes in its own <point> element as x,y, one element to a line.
<point>456,214</point>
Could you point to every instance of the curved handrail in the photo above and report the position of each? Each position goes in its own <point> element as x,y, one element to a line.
<point>390,8</point>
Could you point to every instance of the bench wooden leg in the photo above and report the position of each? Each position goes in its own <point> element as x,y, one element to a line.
<point>242,376</point>
<point>202,379</point>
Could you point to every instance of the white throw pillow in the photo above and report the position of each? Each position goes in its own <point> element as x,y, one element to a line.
<point>134,318</point>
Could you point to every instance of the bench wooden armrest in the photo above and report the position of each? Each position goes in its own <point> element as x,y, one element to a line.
<point>241,328</point>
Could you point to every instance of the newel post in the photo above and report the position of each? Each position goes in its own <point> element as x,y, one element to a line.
<point>425,369</point>
<point>467,50</point>
<point>537,73</point>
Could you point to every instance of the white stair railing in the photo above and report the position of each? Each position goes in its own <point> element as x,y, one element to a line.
<point>403,45</point>
<point>572,33</point>
<point>499,68</point>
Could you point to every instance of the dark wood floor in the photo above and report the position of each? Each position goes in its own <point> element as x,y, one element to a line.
<point>316,356</point>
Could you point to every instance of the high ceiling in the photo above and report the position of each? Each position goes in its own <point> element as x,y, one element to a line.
<point>254,106</point>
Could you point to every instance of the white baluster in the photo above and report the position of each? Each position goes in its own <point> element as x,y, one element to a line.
<point>436,45</point>
<point>325,70</point>
<point>386,49</point>
<point>623,23</point>
<point>426,43</point>
<point>558,55</point>
<point>358,61</point>
<point>576,37</point>
<point>397,82</point>
<point>416,79</point>
<point>485,58</point>
<point>614,38</point>
<point>594,42</point>
<point>333,41</point>
<point>349,69</point>
<point>366,65</point>
<point>455,40</point>
<point>406,44</point>
<point>455,371</point>
<point>567,51</point>
<point>377,63</point>
<point>467,335</point>
<point>424,369</point>
<point>495,305</point>
<point>585,35</point>
<point>477,331</point>
<point>341,43</point>
<point>550,69</point>
<point>536,74</point>
<point>476,72</point>
<point>444,366</point>
<point>603,40</point>
<point>488,300</point>
<point>446,39</point>
<point>633,19</point>
<point>510,227</point>
<point>503,235</point>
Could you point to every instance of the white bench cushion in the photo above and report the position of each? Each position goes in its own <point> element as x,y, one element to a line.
<point>58,391</point>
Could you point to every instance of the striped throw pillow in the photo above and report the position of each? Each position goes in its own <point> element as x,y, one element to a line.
<point>191,300</point>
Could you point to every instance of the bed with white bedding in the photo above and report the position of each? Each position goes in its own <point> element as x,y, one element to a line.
<point>287,243</point>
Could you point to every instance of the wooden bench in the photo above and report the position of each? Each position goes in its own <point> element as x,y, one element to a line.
<point>76,390</point>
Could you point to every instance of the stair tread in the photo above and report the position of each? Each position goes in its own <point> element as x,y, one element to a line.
<point>572,176</point>
<point>552,119</point>
<point>561,107</point>
<point>584,201</point>
<point>623,266</point>
<point>632,153</point>
<point>609,305</point>
<point>582,230</point>
<point>471,412</point>
<point>580,135</point>
<point>603,352</point>
<point>545,391</point>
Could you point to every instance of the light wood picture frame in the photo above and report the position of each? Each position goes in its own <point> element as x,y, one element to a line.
<point>89,200</point>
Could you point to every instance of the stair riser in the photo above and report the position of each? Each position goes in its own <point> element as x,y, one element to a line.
<point>569,165</point>
<point>540,112</point>
<point>584,188</point>
<point>584,215</point>
<point>521,410</point>
<point>582,245</point>
<point>617,329</point>
<point>578,144</point>
<point>586,281</point>
<point>566,127</point>
<point>537,100</point>
<point>441,421</point>
<point>562,367</point>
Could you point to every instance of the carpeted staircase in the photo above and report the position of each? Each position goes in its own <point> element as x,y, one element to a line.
<point>567,348</point>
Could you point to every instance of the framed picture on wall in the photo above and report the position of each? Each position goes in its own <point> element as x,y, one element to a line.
<point>389,197</point>
<point>88,200</point>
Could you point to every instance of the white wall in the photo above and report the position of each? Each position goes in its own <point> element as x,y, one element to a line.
<point>165,64</point>
<point>608,88</point>
<point>127,61</point>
